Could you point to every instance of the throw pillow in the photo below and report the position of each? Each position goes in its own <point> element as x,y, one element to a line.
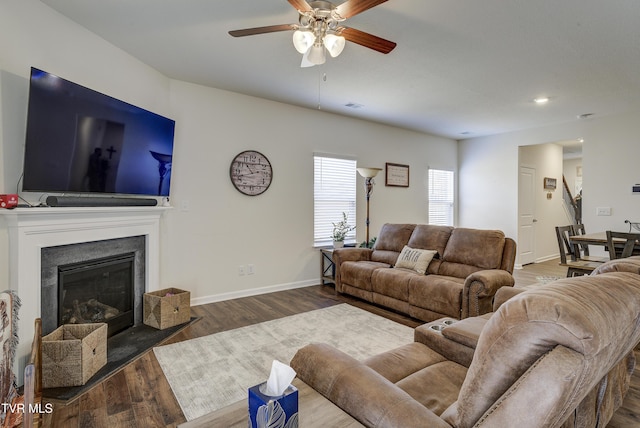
<point>415,259</point>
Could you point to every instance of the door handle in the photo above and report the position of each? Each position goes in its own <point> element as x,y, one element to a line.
<point>534,221</point>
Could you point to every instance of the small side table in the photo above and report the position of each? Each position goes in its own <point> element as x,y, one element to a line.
<point>327,267</point>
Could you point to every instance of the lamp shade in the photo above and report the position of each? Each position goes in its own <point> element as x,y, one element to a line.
<point>303,40</point>
<point>334,44</point>
<point>368,172</point>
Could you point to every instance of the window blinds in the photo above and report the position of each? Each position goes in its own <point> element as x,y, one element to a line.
<point>441,196</point>
<point>334,193</point>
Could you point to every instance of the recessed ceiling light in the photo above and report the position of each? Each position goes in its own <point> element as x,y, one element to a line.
<point>541,100</point>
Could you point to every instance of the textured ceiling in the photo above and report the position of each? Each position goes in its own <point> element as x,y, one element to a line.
<point>462,68</point>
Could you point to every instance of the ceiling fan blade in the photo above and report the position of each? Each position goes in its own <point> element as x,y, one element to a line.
<point>367,40</point>
<point>301,5</point>
<point>354,7</point>
<point>262,30</point>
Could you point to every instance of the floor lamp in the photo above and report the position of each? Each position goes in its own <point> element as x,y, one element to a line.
<point>368,174</point>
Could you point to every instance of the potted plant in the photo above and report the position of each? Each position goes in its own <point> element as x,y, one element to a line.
<point>340,230</point>
<point>365,244</point>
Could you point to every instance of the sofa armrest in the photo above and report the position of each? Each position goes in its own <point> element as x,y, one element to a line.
<point>452,348</point>
<point>504,294</point>
<point>479,289</point>
<point>342,255</point>
<point>360,390</point>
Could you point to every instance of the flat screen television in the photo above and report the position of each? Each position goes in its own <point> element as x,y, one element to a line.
<point>84,142</point>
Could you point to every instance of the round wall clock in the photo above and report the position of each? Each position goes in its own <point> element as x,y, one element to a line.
<point>251,173</point>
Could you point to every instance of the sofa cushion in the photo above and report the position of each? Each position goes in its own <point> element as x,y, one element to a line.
<point>437,386</point>
<point>415,259</point>
<point>437,293</point>
<point>471,250</point>
<point>390,241</point>
<point>422,373</point>
<point>403,361</point>
<point>358,274</point>
<point>392,282</point>
<point>430,237</point>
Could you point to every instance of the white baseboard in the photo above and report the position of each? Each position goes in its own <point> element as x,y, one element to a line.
<point>547,258</point>
<point>252,292</point>
<point>539,260</point>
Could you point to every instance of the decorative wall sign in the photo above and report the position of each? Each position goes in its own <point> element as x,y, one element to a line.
<point>549,183</point>
<point>251,173</point>
<point>397,175</point>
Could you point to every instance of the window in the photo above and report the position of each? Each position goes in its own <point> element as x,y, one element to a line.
<point>440,197</point>
<point>334,193</point>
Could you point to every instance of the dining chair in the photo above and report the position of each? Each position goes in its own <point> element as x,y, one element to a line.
<point>579,229</point>
<point>578,266</point>
<point>623,249</point>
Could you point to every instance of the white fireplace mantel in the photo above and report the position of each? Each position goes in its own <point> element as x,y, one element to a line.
<point>31,229</point>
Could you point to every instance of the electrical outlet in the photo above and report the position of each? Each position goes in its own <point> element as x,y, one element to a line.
<point>241,270</point>
<point>184,205</point>
<point>603,211</point>
<point>250,270</point>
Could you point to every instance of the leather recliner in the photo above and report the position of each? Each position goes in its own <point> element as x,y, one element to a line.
<point>560,354</point>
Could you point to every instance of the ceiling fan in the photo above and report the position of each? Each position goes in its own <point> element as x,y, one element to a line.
<point>319,28</point>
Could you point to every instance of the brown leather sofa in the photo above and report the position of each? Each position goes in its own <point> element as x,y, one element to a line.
<point>461,280</point>
<point>558,355</point>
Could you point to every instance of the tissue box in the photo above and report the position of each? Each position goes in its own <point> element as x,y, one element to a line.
<point>271,409</point>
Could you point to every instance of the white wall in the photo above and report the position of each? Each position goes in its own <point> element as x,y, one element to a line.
<point>610,167</point>
<point>274,231</point>
<point>488,172</point>
<point>213,228</point>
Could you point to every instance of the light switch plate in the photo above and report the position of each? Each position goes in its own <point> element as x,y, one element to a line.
<point>603,211</point>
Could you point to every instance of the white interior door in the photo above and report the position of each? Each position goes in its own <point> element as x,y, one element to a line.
<point>526,215</point>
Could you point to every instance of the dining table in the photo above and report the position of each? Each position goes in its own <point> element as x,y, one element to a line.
<point>597,238</point>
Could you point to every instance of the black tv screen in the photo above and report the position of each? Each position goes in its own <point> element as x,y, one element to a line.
<point>82,141</point>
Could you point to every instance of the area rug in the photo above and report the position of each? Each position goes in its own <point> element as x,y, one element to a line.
<point>213,371</point>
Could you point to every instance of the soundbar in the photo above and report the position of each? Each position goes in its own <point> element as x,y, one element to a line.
<point>92,201</point>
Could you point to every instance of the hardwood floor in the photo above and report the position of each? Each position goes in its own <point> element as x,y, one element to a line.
<point>139,395</point>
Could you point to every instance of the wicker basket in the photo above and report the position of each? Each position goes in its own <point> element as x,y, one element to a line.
<point>72,353</point>
<point>166,308</point>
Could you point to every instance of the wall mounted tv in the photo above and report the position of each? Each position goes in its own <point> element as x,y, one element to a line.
<point>81,141</point>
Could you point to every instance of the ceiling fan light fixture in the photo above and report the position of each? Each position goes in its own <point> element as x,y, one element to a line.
<point>334,44</point>
<point>305,60</point>
<point>316,54</point>
<point>303,40</point>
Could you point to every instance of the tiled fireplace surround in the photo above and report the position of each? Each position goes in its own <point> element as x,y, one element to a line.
<point>32,229</point>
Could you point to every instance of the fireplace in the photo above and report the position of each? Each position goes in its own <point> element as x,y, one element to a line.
<point>32,232</point>
<point>99,281</point>
<point>97,291</point>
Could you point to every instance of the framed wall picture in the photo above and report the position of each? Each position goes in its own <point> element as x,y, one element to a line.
<point>396,175</point>
<point>549,183</point>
